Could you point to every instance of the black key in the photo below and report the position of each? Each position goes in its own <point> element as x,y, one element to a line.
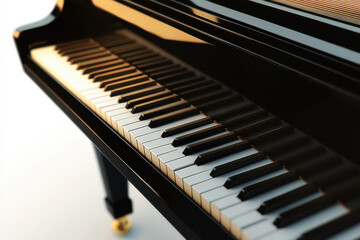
<point>166,71</point>
<point>209,97</point>
<point>209,143</point>
<point>72,43</point>
<point>147,60</point>
<point>140,93</point>
<point>90,57</point>
<point>104,38</point>
<point>108,69</point>
<point>245,119</point>
<point>81,49</point>
<point>271,135</point>
<point>172,117</point>
<point>77,48</point>
<point>155,103</point>
<point>247,176</point>
<point>126,82</point>
<point>182,80</point>
<point>157,70</point>
<point>186,126</point>
<point>191,86</point>
<point>330,177</point>
<point>107,82</point>
<point>135,53</point>
<point>199,134</point>
<point>179,79</point>
<point>147,98</point>
<point>333,227</point>
<point>228,114</point>
<point>121,50</point>
<point>287,144</point>
<point>217,103</point>
<point>202,133</point>
<point>115,73</point>
<point>138,57</point>
<point>267,185</point>
<point>97,64</point>
<point>132,88</point>
<point>237,164</point>
<point>302,154</point>
<point>117,42</point>
<point>221,152</point>
<point>220,102</point>
<point>164,109</point>
<point>257,126</point>
<point>72,56</point>
<point>354,202</point>
<point>154,64</point>
<point>286,198</point>
<point>344,191</point>
<point>304,210</point>
<point>201,90</point>
<point>314,167</point>
<point>196,147</point>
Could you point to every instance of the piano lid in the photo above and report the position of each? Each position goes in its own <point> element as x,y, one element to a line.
<point>145,22</point>
<point>270,33</point>
<point>343,10</point>
<point>298,26</point>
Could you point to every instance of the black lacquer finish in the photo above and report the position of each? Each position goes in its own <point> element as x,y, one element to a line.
<point>314,91</point>
<point>185,215</point>
<point>117,199</point>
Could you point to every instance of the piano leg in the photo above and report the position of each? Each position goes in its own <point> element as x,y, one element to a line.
<point>117,199</point>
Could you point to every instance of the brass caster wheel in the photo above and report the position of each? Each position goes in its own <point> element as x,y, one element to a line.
<point>122,225</point>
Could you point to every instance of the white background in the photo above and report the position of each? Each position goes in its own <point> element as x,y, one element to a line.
<point>50,185</point>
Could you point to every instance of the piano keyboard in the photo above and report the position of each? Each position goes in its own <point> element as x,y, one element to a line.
<point>257,176</point>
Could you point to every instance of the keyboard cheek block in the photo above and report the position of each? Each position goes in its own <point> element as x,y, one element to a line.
<point>254,174</point>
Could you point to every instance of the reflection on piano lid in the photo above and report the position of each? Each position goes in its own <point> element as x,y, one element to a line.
<point>347,11</point>
<point>235,119</point>
<point>242,165</point>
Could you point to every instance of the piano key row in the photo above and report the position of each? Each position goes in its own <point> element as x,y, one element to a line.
<point>172,157</point>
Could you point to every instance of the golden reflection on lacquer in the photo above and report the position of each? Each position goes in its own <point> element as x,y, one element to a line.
<point>145,22</point>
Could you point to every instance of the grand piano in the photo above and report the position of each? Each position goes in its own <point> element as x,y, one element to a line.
<point>235,119</point>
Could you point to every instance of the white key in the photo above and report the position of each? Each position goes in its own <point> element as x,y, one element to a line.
<point>350,233</point>
<point>253,217</point>
<point>152,145</point>
<point>175,164</point>
<point>148,130</point>
<point>210,196</point>
<point>213,183</point>
<point>227,214</point>
<point>189,176</point>
<point>294,231</point>
<point>196,181</point>
<point>258,230</point>
<point>158,141</point>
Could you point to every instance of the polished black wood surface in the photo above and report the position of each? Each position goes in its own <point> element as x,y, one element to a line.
<point>187,217</point>
<point>315,92</point>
